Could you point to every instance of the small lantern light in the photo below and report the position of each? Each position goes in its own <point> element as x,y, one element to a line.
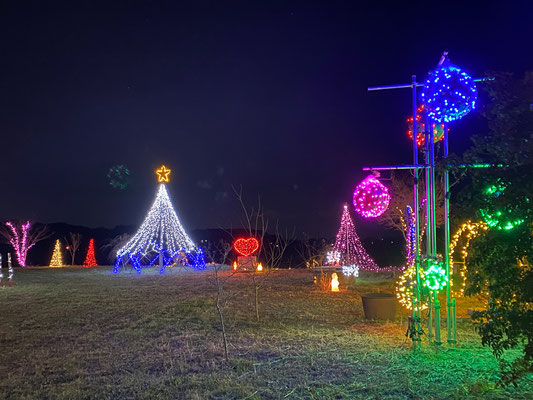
<point>235,265</point>
<point>334,282</point>
<point>259,267</point>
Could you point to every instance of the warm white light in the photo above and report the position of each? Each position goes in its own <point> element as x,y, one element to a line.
<point>334,282</point>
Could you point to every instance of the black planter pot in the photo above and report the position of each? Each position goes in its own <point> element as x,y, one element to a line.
<point>379,306</point>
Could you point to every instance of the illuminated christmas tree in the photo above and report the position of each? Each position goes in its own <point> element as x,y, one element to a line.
<point>90,259</point>
<point>57,259</point>
<point>161,240</point>
<point>349,245</point>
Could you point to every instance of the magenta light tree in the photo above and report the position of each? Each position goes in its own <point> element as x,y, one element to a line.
<point>371,198</point>
<point>23,238</point>
<point>349,245</point>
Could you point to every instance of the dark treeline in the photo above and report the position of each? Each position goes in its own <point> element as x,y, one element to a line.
<point>386,251</point>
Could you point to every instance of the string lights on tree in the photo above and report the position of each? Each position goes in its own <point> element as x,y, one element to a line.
<point>449,94</point>
<point>161,238</point>
<point>90,259</point>
<point>371,198</point>
<point>19,241</point>
<point>57,258</point>
<point>502,218</point>
<point>472,230</point>
<point>349,245</point>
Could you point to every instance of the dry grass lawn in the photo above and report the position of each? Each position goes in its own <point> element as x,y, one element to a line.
<point>75,333</point>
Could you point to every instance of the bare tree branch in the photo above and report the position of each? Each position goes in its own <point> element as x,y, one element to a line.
<point>73,245</point>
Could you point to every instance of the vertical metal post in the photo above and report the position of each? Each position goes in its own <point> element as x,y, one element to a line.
<point>433,228</point>
<point>429,241</point>
<point>416,211</point>
<point>450,307</point>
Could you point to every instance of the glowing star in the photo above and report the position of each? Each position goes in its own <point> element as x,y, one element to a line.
<point>163,174</point>
<point>334,282</point>
<point>246,246</point>
<point>371,198</point>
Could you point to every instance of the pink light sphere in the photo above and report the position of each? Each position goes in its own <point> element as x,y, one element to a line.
<point>371,198</point>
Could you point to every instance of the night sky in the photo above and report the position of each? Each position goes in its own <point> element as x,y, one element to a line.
<point>270,96</point>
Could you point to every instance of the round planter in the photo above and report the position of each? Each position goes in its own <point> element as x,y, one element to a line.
<point>379,306</point>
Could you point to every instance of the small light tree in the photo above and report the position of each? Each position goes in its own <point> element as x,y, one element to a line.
<point>90,259</point>
<point>22,236</point>
<point>57,257</point>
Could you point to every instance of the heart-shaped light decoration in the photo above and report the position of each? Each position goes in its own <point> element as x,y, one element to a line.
<point>246,246</point>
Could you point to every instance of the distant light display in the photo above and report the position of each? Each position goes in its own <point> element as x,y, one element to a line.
<point>449,94</point>
<point>333,257</point>
<point>119,177</point>
<point>246,246</point>
<point>350,270</point>
<point>349,246</point>
<point>438,129</point>
<point>371,198</point>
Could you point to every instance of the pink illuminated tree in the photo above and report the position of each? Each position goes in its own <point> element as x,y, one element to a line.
<point>23,237</point>
<point>349,245</point>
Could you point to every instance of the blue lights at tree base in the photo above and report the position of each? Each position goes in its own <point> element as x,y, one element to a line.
<point>138,261</point>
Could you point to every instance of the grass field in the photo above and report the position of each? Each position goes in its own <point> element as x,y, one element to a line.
<point>74,333</point>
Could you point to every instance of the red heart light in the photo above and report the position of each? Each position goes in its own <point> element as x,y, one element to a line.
<point>246,246</point>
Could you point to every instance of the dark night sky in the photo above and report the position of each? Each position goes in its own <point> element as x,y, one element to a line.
<point>268,95</point>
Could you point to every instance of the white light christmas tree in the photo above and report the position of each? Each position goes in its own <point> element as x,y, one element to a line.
<point>161,239</point>
<point>349,245</point>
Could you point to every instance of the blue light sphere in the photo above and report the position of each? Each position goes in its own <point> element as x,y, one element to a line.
<point>449,94</point>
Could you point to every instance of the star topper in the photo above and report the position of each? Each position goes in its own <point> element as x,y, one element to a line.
<point>162,174</point>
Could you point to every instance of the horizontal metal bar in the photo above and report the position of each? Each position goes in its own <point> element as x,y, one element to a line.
<point>391,167</point>
<point>422,166</point>
<point>404,86</point>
